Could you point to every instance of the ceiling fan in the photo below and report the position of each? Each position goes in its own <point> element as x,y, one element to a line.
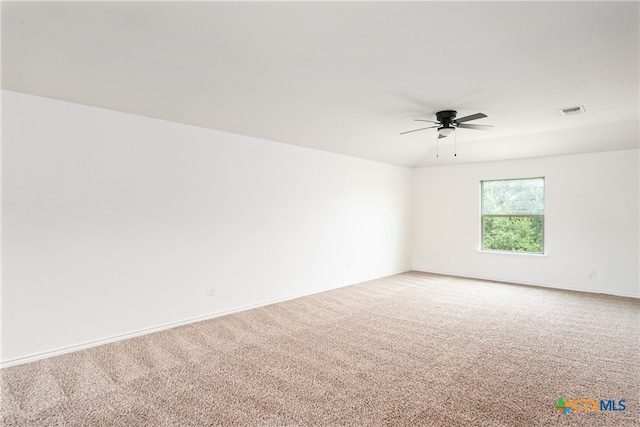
<point>447,123</point>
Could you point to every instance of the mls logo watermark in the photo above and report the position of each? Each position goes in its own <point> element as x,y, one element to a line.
<point>590,405</point>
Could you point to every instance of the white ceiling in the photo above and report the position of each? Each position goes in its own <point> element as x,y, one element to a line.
<point>345,77</point>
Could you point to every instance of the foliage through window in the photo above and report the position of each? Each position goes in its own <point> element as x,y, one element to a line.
<point>512,215</point>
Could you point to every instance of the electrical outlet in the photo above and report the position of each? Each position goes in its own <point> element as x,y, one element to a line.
<point>593,275</point>
<point>210,291</point>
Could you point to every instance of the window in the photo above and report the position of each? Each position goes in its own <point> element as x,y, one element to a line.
<point>512,215</point>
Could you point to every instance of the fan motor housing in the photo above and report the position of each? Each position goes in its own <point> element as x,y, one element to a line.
<point>446,117</point>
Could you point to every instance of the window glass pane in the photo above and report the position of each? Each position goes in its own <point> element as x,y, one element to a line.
<point>513,196</point>
<point>512,233</point>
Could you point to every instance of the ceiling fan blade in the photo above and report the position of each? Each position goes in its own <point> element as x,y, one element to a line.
<point>416,130</point>
<point>423,120</point>
<point>471,117</point>
<point>472,126</point>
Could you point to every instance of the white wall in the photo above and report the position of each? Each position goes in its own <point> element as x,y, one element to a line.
<point>114,223</point>
<point>591,222</point>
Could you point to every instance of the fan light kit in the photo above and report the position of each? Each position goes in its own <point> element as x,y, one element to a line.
<point>445,130</point>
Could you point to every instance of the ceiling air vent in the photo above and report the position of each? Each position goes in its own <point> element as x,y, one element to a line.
<point>572,110</point>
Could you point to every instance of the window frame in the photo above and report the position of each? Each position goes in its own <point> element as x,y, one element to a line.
<point>542,216</point>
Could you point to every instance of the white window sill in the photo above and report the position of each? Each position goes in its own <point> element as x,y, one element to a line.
<point>526,254</point>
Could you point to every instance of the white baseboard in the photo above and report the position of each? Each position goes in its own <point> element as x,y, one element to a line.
<point>540,285</point>
<point>82,346</point>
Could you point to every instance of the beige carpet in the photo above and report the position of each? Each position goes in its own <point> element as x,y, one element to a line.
<point>411,349</point>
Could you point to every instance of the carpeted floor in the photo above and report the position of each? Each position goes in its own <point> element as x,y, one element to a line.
<point>411,349</point>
